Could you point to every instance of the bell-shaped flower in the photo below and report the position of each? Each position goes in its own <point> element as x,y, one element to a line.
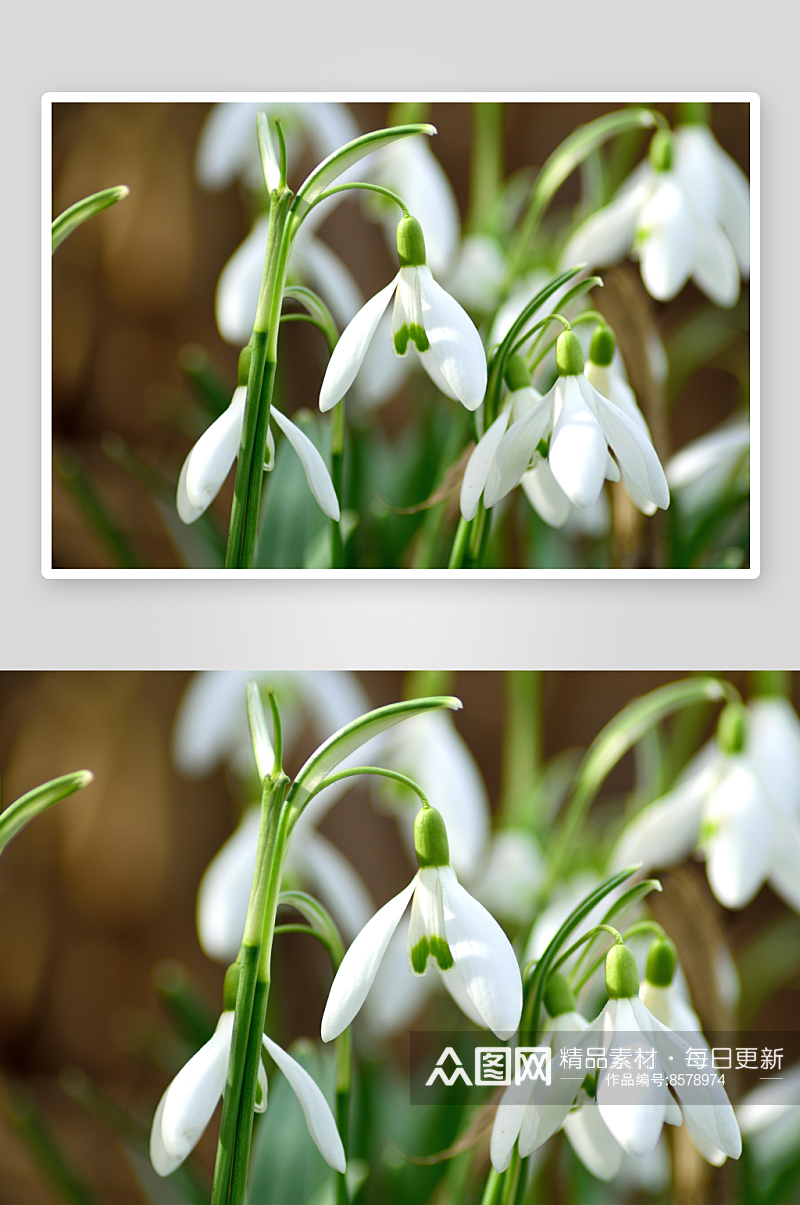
<point>424,315</point>
<point>708,468</point>
<point>737,802</point>
<point>212,457</point>
<point>189,1102</point>
<point>673,235</point>
<point>449,928</point>
<point>581,426</point>
<point>716,185</point>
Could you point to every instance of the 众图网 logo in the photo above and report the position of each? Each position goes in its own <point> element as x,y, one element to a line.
<point>493,1065</point>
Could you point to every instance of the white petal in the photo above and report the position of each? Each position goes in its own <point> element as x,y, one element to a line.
<point>668,232</point>
<point>607,236</point>
<point>483,957</point>
<point>352,347</point>
<point>506,1127</point>
<point>636,455</point>
<point>773,747</point>
<point>478,465</point>
<point>666,831</point>
<point>716,271</point>
<point>210,460</point>
<point>428,361</point>
<point>210,720</point>
<point>739,854</point>
<point>697,171</point>
<point>319,1119</point>
<point>317,475</point>
<point>195,1092</point>
<point>578,451</point>
<point>710,1153</point>
<point>545,495</point>
<point>455,986</point>
<point>225,891</point>
<point>239,284</point>
<point>735,218</point>
<point>360,965</point>
<point>336,882</point>
<point>164,1163</point>
<point>637,1125</point>
<point>455,343</point>
<point>516,449</point>
<point>593,1143</point>
<point>785,876</point>
<point>227,144</point>
<point>396,997</point>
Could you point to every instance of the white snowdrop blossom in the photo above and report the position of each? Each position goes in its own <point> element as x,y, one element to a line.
<point>410,168</point>
<point>424,315</point>
<point>189,1102</point>
<point>581,426</point>
<point>449,928</point>
<point>700,473</point>
<point>211,459</point>
<point>738,803</point>
<point>716,186</point>
<point>660,214</point>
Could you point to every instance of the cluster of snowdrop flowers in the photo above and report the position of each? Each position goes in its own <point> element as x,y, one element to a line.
<point>449,929</point>
<point>685,212</point>
<point>212,457</point>
<point>559,446</point>
<point>189,1102</point>
<point>424,315</point>
<point>738,803</point>
<point>600,1128</point>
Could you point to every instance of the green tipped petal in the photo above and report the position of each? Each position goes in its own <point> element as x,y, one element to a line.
<point>410,334</point>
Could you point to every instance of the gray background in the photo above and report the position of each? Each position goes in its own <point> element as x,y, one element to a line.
<point>428,47</point>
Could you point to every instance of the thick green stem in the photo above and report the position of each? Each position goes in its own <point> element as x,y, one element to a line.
<point>460,544</point>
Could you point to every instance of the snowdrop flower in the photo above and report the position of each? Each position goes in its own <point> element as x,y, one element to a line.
<point>716,185</point>
<point>450,928</point>
<point>702,471</point>
<point>410,168</point>
<point>448,344</point>
<point>673,233</point>
<point>738,802</point>
<point>581,425</point>
<point>212,457</point>
<point>189,1102</point>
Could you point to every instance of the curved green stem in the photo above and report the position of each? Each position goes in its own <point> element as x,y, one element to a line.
<point>380,772</point>
<point>378,188</point>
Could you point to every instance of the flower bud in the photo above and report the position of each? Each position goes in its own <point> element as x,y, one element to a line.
<point>410,243</point>
<point>732,729</point>
<point>516,374</point>
<point>601,351</point>
<point>661,962</point>
<point>569,355</point>
<point>558,997</point>
<point>430,838</point>
<point>243,371</point>
<point>230,987</point>
<point>622,975</point>
<point>662,151</point>
<point>694,113</point>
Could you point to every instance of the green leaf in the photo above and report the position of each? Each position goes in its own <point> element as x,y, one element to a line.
<point>620,735</point>
<point>317,309</point>
<point>346,156</point>
<point>353,736</point>
<point>23,810</point>
<point>81,211</point>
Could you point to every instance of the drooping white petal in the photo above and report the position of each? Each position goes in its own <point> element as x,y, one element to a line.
<point>477,468</point>
<point>210,720</point>
<point>768,1102</point>
<point>607,236</point>
<point>716,271</point>
<point>667,239</point>
<point>396,997</point>
<point>773,747</point>
<point>224,891</point>
<point>735,219</point>
<point>516,449</point>
<point>697,171</point>
<point>194,1094</point>
<point>636,1125</point>
<point>545,495</point>
<point>227,143</point>
<point>319,1119</point>
<point>636,455</point>
<point>739,852</point>
<point>455,986</point>
<point>507,1123</point>
<point>360,965</point>
<point>483,957</point>
<point>578,453</point>
<point>428,362</point>
<point>239,284</point>
<point>210,460</point>
<point>164,1163</point>
<point>407,312</point>
<point>785,874</point>
<point>454,341</point>
<point>317,475</point>
<point>710,1153</point>
<point>382,372</point>
<point>427,918</point>
<point>333,878</point>
<point>666,831</point>
<point>608,381</point>
<point>592,1142</point>
<point>349,352</point>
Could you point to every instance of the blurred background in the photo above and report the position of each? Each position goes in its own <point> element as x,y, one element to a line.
<point>99,953</point>
<point>135,343</point>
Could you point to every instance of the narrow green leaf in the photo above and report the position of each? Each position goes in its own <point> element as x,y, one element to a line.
<point>23,810</point>
<point>319,918</point>
<point>81,211</point>
<point>318,311</point>
<point>620,735</point>
<point>353,736</point>
<point>332,167</point>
